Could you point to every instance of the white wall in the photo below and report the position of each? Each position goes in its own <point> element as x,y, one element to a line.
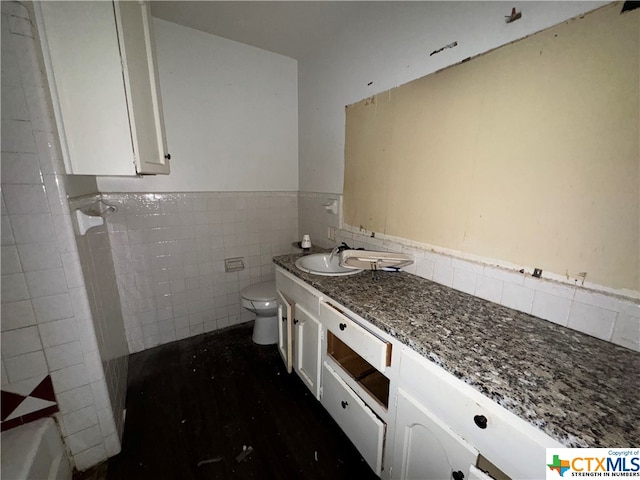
<point>389,46</point>
<point>230,113</point>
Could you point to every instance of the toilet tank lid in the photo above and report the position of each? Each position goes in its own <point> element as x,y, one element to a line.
<point>260,291</point>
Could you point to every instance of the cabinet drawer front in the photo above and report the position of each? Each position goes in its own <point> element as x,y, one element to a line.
<point>509,442</point>
<point>358,422</point>
<point>374,350</point>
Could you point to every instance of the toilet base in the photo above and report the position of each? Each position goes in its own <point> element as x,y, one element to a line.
<point>265,330</point>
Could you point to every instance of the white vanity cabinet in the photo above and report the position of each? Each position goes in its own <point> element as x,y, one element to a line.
<point>409,418</point>
<point>102,73</point>
<point>299,330</point>
<point>510,446</point>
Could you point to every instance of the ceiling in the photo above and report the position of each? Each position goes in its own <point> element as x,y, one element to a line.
<point>290,28</point>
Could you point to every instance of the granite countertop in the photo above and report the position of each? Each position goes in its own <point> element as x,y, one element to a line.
<point>579,390</point>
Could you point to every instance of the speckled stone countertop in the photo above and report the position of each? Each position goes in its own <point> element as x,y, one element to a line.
<point>579,390</point>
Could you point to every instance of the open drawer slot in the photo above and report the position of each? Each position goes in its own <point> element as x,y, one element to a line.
<point>374,382</point>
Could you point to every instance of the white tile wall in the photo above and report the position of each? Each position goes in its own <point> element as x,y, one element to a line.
<point>595,321</point>
<point>42,332</point>
<point>517,297</point>
<point>17,314</point>
<point>75,399</point>
<point>92,456</point>
<point>108,357</point>
<point>609,317</point>
<point>169,251</point>
<point>23,367</point>
<point>551,307</point>
<point>443,273</point>
<point>626,331</point>
<point>314,219</point>
<point>85,439</point>
<point>22,340</point>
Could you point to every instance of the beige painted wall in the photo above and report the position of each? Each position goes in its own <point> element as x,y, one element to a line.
<point>528,154</point>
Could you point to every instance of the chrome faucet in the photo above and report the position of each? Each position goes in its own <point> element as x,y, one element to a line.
<point>337,249</point>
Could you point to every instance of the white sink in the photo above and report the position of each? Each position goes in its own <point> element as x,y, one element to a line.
<point>324,264</point>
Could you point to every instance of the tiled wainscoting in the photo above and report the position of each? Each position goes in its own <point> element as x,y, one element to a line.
<point>169,252</point>
<point>47,326</point>
<point>609,317</point>
<point>96,260</point>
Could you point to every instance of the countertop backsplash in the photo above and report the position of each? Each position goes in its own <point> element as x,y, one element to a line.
<point>610,317</point>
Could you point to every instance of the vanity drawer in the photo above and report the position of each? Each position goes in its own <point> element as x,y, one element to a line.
<point>370,347</point>
<point>358,422</point>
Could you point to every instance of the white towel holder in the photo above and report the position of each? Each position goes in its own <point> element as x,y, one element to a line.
<point>91,214</point>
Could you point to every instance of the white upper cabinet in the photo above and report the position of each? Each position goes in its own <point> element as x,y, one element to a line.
<point>102,74</point>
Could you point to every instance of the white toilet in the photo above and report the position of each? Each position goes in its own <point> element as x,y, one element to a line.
<point>261,300</point>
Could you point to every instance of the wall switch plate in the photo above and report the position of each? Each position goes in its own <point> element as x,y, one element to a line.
<point>331,233</point>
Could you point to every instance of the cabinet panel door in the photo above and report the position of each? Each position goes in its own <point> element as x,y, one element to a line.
<point>285,337</point>
<point>307,358</point>
<point>135,32</point>
<point>84,71</point>
<point>425,448</point>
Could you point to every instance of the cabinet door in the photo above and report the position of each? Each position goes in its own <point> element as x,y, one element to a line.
<point>307,358</point>
<point>425,448</point>
<point>285,337</point>
<point>84,72</point>
<point>135,32</point>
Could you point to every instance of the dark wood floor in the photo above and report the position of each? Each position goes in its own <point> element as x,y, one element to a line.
<point>206,398</point>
